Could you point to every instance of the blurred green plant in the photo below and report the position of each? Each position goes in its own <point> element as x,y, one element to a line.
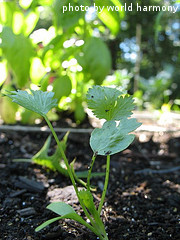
<point>64,52</point>
<point>155,91</point>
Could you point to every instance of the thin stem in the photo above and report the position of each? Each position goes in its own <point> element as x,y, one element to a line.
<point>62,153</point>
<point>69,170</point>
<point>105,184</point>
<point>80,181</point>
<point>90,170</point>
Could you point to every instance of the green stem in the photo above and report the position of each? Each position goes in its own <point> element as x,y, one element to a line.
<point>78,180</point>
<point>105,185</point>
<point>90,170</point>
<point>63,154</point>
<point>71,175</point>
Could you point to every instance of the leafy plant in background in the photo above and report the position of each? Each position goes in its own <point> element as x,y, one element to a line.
<point>156,90</point>
<point>106,103</point>
<point>41,45</point>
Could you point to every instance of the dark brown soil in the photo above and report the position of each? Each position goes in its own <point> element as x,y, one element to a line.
<point>143,197</point>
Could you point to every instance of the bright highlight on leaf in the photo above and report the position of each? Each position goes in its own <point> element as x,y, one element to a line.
<point>36,101</point>
<point>109,103</point>
<point>111,139</point>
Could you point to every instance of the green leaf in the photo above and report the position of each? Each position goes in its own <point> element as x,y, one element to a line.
<point>62,86</point>
<point>38,101</point>
<point>63,209</point>
<point>108,103</point>
<point>109,16</point>
<point>37,70</point>
<point>63,17</point>
<point>45,224</point>
<point>96,59</point>
<point>6,12</point>
<point>111,139</point>
<point>8,109</point>
<point>54,162</point>
<point>87,199</point>
<point>30,21</point>
<point>18,51</point>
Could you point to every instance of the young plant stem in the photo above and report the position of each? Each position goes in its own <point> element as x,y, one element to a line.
<point>62,153</point>
<point>105,185</point>
<point>94,229</point>
<point>90,170</point>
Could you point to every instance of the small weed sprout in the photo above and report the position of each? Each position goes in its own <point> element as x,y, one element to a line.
<point>106,103</point>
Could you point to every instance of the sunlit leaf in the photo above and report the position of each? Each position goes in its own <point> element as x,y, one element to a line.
<point>8,108</point>
<point>25,3</point>
<point>18,21</point>
<point>18,51</point>
<point>3,71</point>
<point>108,103</point>
<point>96,59</point>
<point>45,2</point>
<point>63,16</point>
<point>37,70</point>
<point>36,101</point>
<point>30,22</point>
<point>109,16</point>
<point>6,12</point>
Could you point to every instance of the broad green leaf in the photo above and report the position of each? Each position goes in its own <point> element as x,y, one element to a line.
<point>108,103</point>
<point>111,139</point>
<point>65,17</point>
<point>63,209</point>
<point>36,101</point>
<point>18,51</point>
<point>96,59</point>
<point>111,14</point>
<point>62,87</point>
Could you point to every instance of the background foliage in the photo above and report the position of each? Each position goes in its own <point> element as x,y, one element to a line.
<point>40,47</point>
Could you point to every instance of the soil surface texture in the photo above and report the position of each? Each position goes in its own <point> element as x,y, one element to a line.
<point>142,201</point>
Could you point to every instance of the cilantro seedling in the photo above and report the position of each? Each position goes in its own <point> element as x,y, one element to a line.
<point>106,103</point>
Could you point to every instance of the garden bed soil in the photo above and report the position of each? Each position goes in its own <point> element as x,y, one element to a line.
<point>142,201</point>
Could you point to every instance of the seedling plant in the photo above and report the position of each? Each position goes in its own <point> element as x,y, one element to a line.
<point>106,103</point>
